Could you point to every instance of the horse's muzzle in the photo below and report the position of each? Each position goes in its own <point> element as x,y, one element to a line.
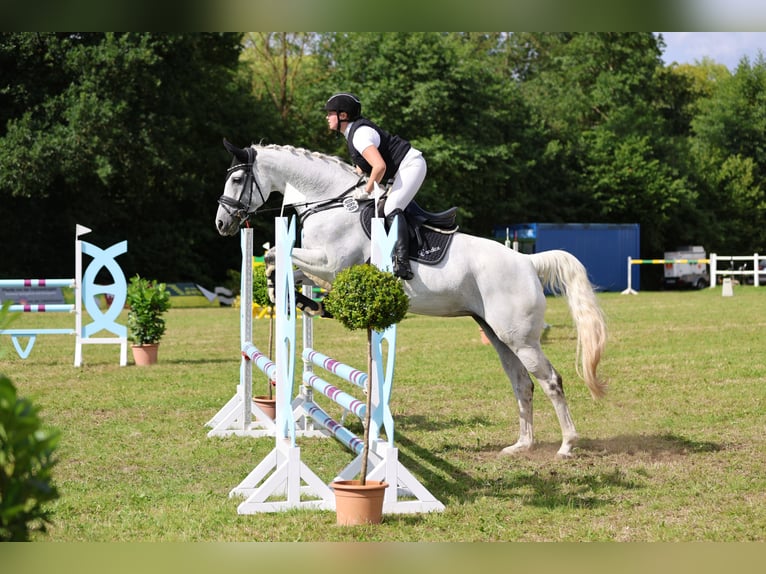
<point>227,229</point>
<point>227,224</point>
<point>231,214</point>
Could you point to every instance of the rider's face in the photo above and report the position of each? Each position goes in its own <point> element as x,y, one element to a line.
<point>334,119</point>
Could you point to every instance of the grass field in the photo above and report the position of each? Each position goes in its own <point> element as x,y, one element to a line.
<point>676,452</point>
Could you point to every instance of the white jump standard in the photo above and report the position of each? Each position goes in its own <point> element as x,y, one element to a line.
<point>282,481</point>
<point>240,415</point>
<point>85,290</point>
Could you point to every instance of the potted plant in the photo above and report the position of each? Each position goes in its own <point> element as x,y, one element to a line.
<point>267,403</point>
<point>364,297</point>
<point>147,301</point>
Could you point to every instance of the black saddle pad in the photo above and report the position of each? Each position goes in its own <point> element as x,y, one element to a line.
<point>427,245</point>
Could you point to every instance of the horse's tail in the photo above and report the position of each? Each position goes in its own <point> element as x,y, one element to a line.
<point>562,272</point>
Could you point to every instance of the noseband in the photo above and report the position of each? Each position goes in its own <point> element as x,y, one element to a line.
<point>236,207</point>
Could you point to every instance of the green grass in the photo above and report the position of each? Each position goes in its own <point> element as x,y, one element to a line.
<point>674,453</point>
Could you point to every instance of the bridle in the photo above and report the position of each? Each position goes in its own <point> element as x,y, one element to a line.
<point>236,207</point>
<point>241,209</point>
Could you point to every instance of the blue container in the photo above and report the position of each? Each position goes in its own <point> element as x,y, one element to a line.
<point>603,248</point>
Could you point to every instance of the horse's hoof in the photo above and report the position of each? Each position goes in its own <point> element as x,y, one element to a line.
<point>566,448</point>
<point>515,449</point>
<point>565,452</point>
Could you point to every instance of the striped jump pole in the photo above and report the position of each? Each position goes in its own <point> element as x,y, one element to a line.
<point>345,400</point>
<point>350,374</point>
<point>16,283</point>
<point>42,308</point>
<point>260,360</point>
<point>341,433</point>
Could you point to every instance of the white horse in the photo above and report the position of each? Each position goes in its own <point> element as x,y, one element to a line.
<point>503,290</point>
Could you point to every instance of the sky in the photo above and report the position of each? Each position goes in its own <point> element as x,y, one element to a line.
<point>724,47</point>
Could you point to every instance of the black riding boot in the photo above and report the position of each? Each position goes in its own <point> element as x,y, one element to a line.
<point>402,246</point>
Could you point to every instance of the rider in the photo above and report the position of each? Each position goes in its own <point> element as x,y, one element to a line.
<point>382,156</point>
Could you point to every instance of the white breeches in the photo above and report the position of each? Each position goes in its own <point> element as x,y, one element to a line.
<point>407,181</point>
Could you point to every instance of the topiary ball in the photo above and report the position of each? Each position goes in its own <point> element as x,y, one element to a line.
<point>364,297</point>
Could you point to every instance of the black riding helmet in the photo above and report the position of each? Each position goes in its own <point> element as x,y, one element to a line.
<point>345,102</point>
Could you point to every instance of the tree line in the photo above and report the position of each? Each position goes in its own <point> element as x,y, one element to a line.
<point>122,133</point>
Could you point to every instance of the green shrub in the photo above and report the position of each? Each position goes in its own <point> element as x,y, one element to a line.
<point>261,287</point>
<point>364,297</point>
<point>26,460</point>
<point>148,302</point>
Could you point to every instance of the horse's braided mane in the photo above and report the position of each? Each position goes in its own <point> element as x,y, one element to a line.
<point>308,153</point>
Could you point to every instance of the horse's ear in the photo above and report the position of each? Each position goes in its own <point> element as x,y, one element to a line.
<point>239,153</point>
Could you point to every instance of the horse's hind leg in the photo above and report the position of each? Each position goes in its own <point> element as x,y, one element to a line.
<point>550,380</point>
<point>523,390</point>
<point>517,368</point>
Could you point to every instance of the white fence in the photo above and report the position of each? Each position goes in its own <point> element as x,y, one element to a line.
<point>717,261</point>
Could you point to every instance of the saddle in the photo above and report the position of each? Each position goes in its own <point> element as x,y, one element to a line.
<point>430,233</point>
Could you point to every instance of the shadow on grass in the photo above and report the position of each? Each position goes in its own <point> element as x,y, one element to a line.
<point>536,478</point>
<point>656,446</point>
<point>423,423</point>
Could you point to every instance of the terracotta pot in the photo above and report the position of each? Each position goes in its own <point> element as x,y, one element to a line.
<point>358,504</point>
<point>267,405</point>
<point>145,354</point>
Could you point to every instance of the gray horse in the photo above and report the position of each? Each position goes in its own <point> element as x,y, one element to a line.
<point>503,290</point>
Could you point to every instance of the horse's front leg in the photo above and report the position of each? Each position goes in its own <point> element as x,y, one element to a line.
<point>311,263</point>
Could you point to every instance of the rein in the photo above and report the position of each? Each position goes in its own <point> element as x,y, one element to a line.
<point>325,204</point>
